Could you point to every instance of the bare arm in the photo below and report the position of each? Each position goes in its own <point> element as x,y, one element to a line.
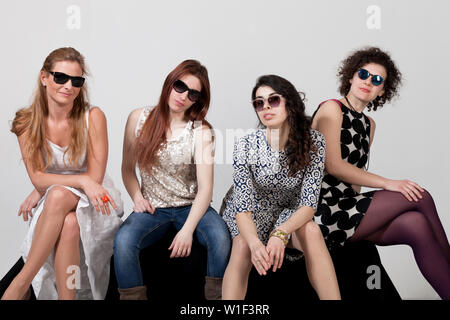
<point>329,120</point>
<point>42,180</point>
<point>96,158</point>
<point>298,219</point>
<point>129,177</point>
<point>97,155</point>
<point>204,158</point>
<point>306,202</point>
<point>243,187</point>
<point>247,229</point>
<point>30,202</point>
<point>308,198</point>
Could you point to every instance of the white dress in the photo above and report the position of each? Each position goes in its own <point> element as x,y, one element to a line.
<point>97,233</point>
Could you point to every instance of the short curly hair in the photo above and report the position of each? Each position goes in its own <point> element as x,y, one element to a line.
<point>361,57</point>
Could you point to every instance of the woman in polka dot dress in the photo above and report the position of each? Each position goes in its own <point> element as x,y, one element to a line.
<point>402,213</point>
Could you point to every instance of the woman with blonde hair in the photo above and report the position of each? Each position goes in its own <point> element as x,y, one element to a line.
<point>64,145</point>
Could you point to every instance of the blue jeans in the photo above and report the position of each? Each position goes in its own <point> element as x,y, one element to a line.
<point>142,229</point>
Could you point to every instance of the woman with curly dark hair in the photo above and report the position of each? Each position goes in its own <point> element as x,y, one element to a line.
<point>403,212</point>
<point>278,171</point>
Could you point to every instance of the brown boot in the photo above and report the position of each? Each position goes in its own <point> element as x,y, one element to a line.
<point>213,288</point>
<point>135,293</point>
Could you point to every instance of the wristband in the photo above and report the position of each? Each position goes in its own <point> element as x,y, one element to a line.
<point>281,235</point>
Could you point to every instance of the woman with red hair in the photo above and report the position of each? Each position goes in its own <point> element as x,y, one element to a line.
<point>172,144</point>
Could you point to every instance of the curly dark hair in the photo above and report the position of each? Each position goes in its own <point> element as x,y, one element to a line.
<point>361,57</point>
<point>299,144</point>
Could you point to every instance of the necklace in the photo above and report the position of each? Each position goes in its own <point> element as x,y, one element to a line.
<point>350,105</point>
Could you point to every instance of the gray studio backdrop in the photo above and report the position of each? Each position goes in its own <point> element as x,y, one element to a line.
<point>130,47</point>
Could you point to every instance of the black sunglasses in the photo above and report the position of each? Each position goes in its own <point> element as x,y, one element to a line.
<point>180,87</point>
<point>273,101</point>
<point>61,78</point>
<point>363,74</point>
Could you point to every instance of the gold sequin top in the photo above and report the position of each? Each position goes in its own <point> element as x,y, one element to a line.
<point>173,180</point>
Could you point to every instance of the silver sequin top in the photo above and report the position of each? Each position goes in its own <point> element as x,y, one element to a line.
<point>173,181</point>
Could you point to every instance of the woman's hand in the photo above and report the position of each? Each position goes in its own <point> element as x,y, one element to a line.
<point>143,205</point>
<point>29,203</point>
<point>409,189</point>
<point>260,257</point>
<point>275,248</point>
<point>181,244</point>
<point>96,193</point>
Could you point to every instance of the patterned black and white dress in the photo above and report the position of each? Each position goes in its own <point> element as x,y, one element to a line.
<point>341,208</point>
<point>262,186</point>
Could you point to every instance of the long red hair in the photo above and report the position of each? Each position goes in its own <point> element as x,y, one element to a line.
<point>153,132</point>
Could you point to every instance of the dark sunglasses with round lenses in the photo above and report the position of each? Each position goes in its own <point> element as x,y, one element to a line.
<point>363,74</point>
<point>273,101</point>
<point>180,87</point>
<point>61,78</point>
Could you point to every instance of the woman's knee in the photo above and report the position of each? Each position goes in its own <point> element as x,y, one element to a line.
<point>414,229</point>
<point>220,238</point>
<point>413,221</point>
<point>310,232</point>
<point>426,197</point>
<point>56,198</point>
<point>71,229</point>
<point>123,240</point>
<point>214,229</point>
<point>240,249</point>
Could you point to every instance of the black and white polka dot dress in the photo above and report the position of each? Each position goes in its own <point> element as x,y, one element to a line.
<point>341,208</point>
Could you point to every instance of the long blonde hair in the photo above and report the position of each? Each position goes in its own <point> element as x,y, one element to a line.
<point>30,120</point>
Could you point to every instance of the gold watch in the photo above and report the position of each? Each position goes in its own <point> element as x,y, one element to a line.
<point>281,235</point>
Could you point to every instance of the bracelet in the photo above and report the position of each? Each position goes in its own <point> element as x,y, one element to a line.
<point>281,235</point>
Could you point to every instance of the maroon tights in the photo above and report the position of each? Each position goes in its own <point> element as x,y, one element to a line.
<point>392,219</point>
